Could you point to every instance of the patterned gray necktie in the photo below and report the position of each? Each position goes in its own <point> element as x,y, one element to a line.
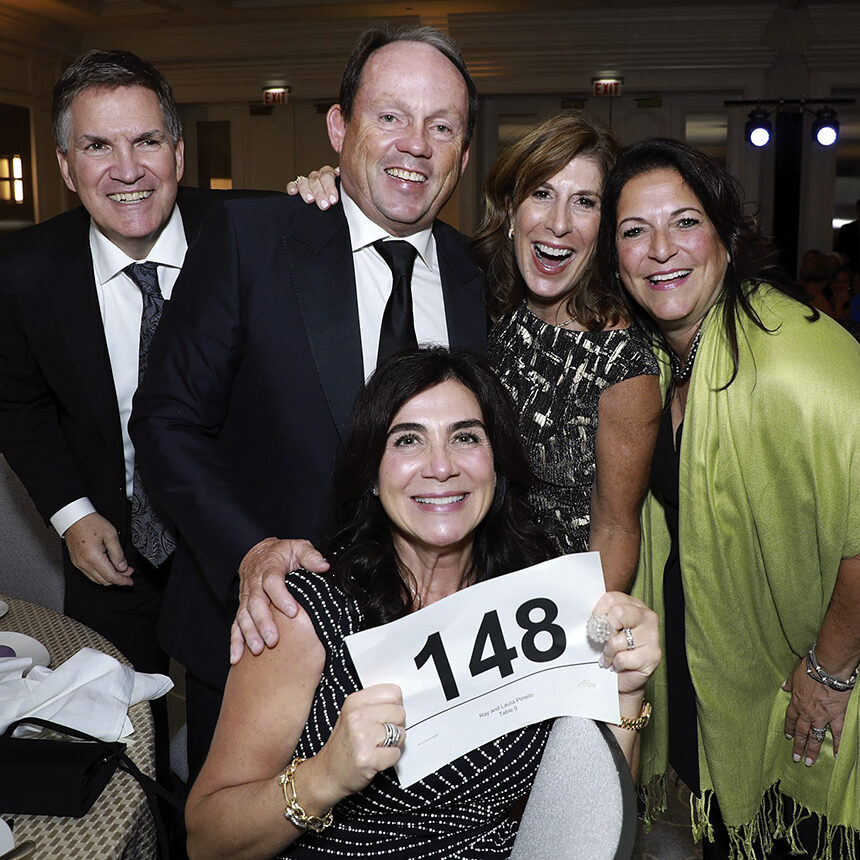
<point>154,540</point>
<point>397,331</point>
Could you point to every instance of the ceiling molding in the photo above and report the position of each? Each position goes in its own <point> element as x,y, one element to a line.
<point>674,46</point>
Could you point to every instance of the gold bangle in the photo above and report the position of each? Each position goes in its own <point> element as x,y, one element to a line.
<point>293,809</point>
<point>640,722</point>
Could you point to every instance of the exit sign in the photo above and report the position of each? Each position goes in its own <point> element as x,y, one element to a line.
<point>275,95</point>
<point>607,86</point>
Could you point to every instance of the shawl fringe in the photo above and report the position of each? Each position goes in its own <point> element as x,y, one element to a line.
<point>652,798</point>
<point>778,817</point>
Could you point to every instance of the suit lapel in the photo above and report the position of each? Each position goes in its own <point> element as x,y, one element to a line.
<point>320,262</point>
<point>462,288</point>
<point>194,205</point>
<point>73,295</point>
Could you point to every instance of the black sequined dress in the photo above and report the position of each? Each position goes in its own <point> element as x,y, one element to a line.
<point>460,811</point>
<point>556,377</point>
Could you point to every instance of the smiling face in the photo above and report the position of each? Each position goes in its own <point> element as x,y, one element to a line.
<point>403,149</point>
<point>436,476</point>
<point>670,257</point>
<point>123,164</point>
<point>555,229</point>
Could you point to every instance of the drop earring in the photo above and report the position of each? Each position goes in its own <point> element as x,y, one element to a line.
<point>511,232</point>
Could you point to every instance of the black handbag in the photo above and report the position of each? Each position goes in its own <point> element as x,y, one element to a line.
<point>46,776</point>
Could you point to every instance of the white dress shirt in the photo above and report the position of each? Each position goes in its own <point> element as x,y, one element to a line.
<point>121,305</point>
<point>373,282</point>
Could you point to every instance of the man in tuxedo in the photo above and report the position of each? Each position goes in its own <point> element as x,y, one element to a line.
<point>70,325</point>
<point>79,296</point>
<point>283,312</point>
<point>848,242</point>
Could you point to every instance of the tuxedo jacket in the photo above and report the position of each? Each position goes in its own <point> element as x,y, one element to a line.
<point>249,390</point>
<point>59,419</point>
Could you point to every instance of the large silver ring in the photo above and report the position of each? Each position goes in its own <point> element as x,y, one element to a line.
<point>598,629</point>
<point>818,734</point>
<point>629,634</point>
<point>392,735</point>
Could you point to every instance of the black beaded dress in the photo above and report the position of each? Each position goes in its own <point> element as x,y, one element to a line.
<point>460,811</point>
<point>556,377</point>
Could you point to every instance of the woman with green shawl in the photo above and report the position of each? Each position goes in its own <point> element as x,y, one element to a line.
<point>751,531</point>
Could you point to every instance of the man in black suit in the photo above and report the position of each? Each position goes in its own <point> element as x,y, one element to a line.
<point>280,318</point>
<point>70,319</point>
<point>848,242</point>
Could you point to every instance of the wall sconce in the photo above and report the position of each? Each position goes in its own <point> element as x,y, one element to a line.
<point>11,178</point>
<point>17,179</point>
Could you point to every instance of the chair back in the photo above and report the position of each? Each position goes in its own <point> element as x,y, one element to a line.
<point>582,805</point>
<point>31,558</point>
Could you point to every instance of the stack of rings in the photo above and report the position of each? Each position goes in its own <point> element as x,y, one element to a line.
<point>392,735</point>
<point>818,734</point>
<point>598,629</point>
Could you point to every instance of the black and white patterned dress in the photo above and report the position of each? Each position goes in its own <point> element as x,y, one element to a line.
<point>459,811</point>
<point>556,377</point>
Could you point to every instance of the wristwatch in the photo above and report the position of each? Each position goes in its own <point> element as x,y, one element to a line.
<point>635,725</point>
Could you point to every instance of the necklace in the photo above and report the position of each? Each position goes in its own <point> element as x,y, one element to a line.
<point>413,590</point>
<point>682,373</point>
<point>415,594</point>
<point>547,322</point>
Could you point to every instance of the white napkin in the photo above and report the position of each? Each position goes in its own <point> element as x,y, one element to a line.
<point>91,692</point>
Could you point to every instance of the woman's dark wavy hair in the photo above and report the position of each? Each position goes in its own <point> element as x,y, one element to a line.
<point>518,172</point>
<point>360,541</point>
<point>752,259</point>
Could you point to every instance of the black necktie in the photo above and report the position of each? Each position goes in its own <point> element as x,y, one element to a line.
<point>149,535</point>
<point>398,326</point>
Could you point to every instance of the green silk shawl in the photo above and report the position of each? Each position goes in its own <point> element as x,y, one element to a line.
<point>769,506</point>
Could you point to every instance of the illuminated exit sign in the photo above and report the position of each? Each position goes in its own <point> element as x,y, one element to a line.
<point>275,95</point>
<point>607,86</point>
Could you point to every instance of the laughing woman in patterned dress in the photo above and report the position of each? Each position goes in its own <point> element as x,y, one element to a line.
<point>583,382</point>
<point>429,498</point>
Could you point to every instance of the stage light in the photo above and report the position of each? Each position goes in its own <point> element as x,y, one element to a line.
<point>825,129</point>
<point>759,129</point>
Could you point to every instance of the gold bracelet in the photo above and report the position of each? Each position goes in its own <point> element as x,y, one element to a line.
<point>293,809</point>
<point>640,722</point>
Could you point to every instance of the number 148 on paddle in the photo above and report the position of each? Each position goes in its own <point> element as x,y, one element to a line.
<point>490,659</point>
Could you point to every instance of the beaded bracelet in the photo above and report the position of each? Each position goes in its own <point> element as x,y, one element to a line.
<point>814,670</point>
<point>293,809</point>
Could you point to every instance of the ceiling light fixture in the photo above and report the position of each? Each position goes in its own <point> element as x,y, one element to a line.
<point>825,128</point>
<point>759,129</point>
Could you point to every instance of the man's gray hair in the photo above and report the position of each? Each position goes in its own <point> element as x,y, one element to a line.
<point>110,69</point>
